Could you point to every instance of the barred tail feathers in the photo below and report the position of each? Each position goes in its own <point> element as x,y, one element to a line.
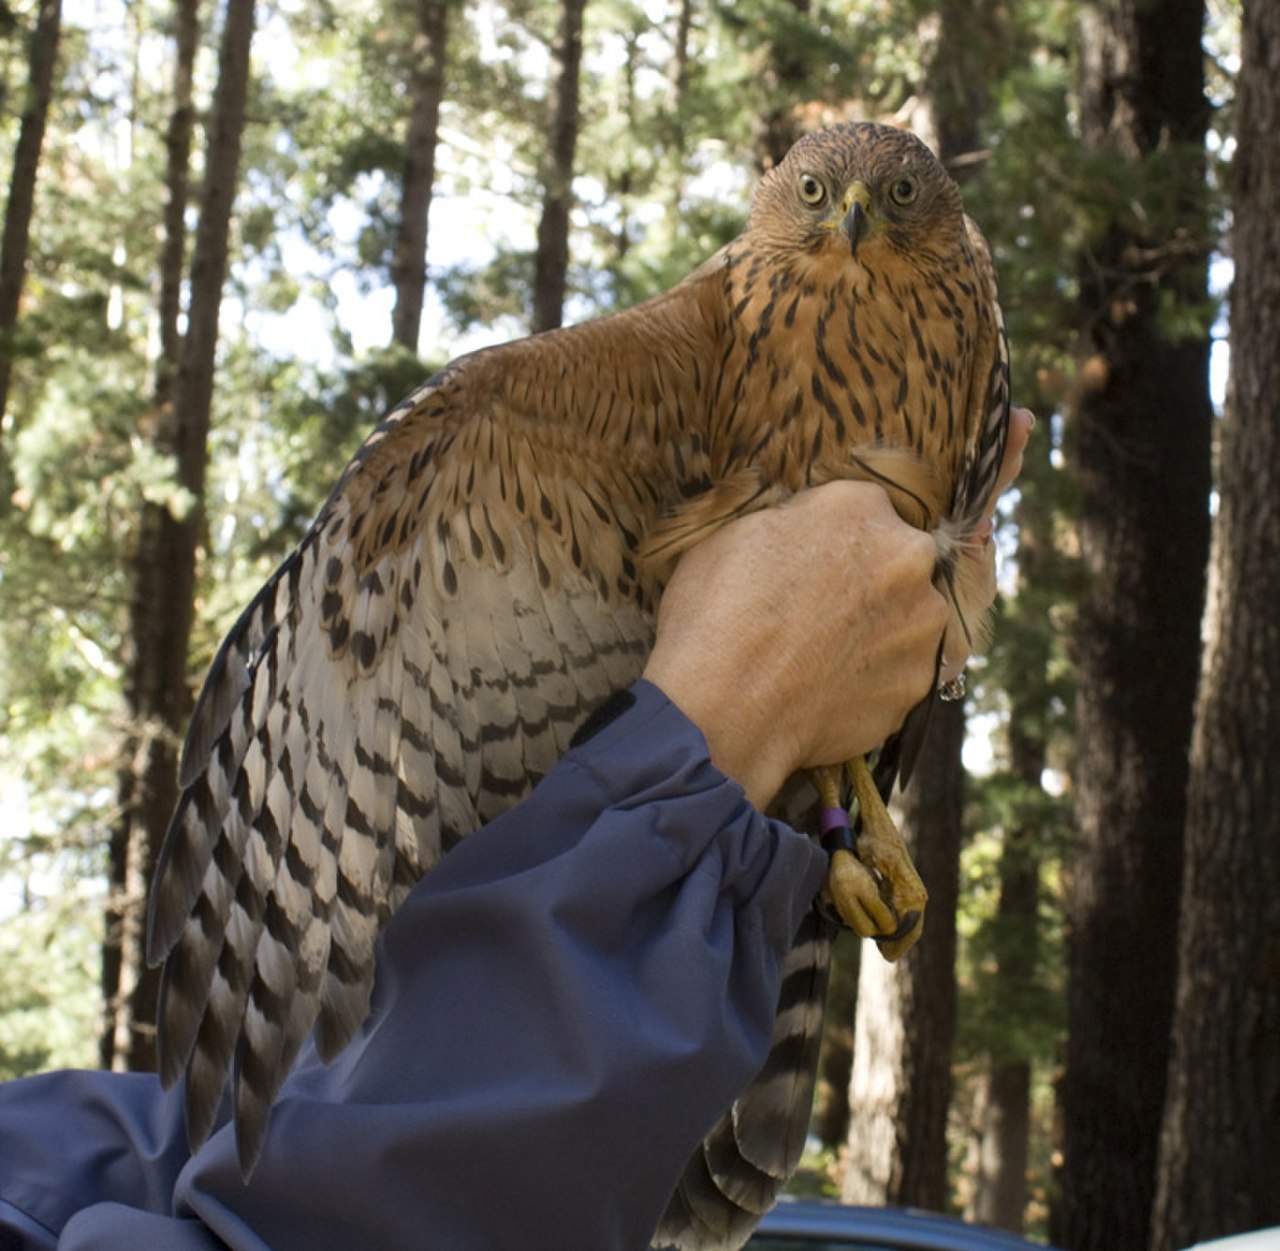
<point>743,1164</point>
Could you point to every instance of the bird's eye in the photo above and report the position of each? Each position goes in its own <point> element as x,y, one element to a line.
<point>904,191</point>
<point>812,192</point>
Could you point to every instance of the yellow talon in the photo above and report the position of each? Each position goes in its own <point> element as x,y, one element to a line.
<point>878,893</point>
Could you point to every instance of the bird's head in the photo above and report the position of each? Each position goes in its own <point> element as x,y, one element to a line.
<point>859,192</point>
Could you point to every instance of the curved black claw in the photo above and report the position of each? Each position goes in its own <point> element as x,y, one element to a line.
<point>905,926</point>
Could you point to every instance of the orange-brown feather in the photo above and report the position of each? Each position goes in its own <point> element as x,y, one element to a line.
<point>477,580</point>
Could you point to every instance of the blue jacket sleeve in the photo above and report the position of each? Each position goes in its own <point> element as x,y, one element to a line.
<point>563,1007</point>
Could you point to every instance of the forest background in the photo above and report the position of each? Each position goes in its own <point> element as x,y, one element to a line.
<point>212,284</point>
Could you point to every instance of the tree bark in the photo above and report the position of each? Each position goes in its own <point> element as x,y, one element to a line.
<point>16,239</point>
<point>1220,1149</point>
<point>955,92</point>
<point>901,1085</point>
<point>164,575</point>
<point>186,39</point>
<point>783,75</point>
<point>409,262</point>
<point>675,124</point>
<point>155,691</point>
<point>1143,432</point>
<point>551,263</point>
<point>1000,1172</point>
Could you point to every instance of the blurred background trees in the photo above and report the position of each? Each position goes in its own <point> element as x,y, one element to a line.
<point>235,234</point>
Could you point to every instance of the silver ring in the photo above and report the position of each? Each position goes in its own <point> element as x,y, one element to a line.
<point>953,690</point>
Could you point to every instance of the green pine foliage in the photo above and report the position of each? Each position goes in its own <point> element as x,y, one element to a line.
<point>666,164</point>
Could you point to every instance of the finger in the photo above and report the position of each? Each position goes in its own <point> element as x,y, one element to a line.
<point>1021,422</point>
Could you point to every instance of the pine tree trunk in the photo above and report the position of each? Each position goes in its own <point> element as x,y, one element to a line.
<point>1000,1171</point>
<point>1025,651</point>
<point>955,96</point>
<point>675,125</point>
<point>901,1085</point>
<point>186,39</point>
<point>551,263</point>
<point>157,710</point>
<point>1220,1149</point>
<point>164,573</point>
<point>409,262</point>
<point>783,75</point>
<point>1143,464</point>
<point>15,242</point>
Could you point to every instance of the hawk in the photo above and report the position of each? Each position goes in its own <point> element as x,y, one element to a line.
<point>486,571</point>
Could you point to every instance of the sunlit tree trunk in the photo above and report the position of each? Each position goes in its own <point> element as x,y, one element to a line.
<point>15,242</point>
<point>551,262</point>
<point>1220,1151</point>
<point>427,82</point>
<point>999,1196</point>
<point>1142,437</point>
<point>164,573</point>
<point>901,1084</point>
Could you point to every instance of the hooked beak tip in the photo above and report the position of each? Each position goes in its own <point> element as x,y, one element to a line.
<point>856,225</point>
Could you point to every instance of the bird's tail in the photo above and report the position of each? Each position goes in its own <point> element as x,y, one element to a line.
<point>738,1171</point>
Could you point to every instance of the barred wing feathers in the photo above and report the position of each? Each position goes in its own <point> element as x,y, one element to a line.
<point>424,654</point>
<point>476,582</point>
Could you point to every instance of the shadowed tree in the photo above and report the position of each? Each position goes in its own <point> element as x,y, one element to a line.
<point>1220,1150</point>
<point>155,688</point>
<point>785,80</point>
<point>164,576</point>
<point>551,262</point>
<point>1142,438</point>
<point>426,91</point>
<point>42,59</point>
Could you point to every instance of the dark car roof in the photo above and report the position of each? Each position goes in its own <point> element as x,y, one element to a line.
<point>822,1221</point>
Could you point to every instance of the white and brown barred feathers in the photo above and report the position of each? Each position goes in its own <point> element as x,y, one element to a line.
<point>486,571</point>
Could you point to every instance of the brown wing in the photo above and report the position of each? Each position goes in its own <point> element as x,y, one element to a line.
<point>470,588</point>
<point>413,666</point>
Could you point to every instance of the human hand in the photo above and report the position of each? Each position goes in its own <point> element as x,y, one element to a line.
<point>801,635</point>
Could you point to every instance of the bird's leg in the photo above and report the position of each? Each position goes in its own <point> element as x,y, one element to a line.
<point>872,883</point>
